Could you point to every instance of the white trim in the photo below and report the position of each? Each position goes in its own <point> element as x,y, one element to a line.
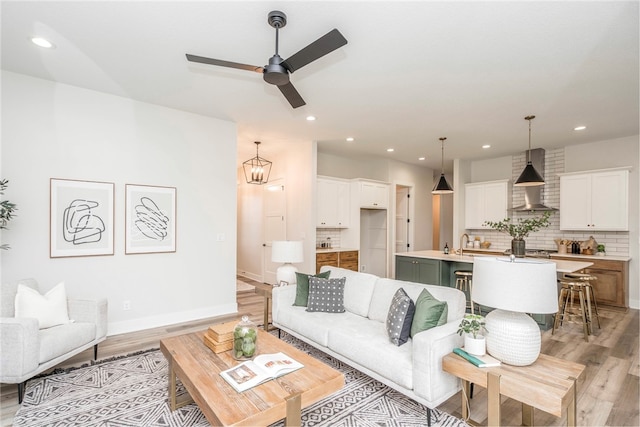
<point>621,168</point>
<point>150,322</point>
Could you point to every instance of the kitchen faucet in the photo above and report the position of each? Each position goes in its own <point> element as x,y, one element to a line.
<point>461,239</point>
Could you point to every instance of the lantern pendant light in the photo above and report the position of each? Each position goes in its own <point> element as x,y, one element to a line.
<point>257,169</point>
<point>442,186</point>
<point>529,176</point>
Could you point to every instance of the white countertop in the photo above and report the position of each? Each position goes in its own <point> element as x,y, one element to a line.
<point>562,266</point>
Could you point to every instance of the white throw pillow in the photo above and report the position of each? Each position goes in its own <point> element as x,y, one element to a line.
<point>50,309</point>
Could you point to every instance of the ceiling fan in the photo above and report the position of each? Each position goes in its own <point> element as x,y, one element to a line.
<point>278,70</point>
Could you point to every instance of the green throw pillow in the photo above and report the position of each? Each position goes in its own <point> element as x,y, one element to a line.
<point>302,288</point>
<point>429,313</point>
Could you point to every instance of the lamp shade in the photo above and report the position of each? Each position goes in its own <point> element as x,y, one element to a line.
<point>529,177</point>
<point>522,285</point>
<point>288,251</point>
<point>442,186</point>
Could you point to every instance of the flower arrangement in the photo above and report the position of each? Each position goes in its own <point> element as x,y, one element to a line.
<point>471,324</point>
<point>522,228</point>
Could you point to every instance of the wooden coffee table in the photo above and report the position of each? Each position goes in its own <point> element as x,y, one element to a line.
<point>198,368</point>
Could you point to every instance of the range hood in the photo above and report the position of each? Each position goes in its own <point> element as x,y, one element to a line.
<point>533,194</point>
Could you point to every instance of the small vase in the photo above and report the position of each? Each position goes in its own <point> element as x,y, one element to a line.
<point>476,346</point>
<point>245,339</point>
<point>518,247</point>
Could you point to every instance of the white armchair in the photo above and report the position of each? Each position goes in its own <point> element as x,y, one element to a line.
<point>27,350</point>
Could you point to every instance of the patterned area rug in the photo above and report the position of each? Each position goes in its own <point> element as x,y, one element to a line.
<point>132,391</point>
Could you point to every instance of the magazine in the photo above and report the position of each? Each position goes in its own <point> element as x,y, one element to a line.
<point>262,368</point>
<point>484,361</point>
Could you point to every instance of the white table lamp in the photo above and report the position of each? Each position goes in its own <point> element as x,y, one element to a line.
<point>514,287</point>
<point>287,252</point>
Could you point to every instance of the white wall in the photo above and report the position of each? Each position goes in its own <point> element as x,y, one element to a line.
<point>54,130</point>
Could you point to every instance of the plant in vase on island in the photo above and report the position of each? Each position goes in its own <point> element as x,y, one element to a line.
<point>472,326</point>
<point>520,229</point>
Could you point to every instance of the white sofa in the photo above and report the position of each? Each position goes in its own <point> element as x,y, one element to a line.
<point>359,338</point>
<point>28,350</point>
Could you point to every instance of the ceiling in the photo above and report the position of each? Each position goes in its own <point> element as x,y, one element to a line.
<point>412,72</point>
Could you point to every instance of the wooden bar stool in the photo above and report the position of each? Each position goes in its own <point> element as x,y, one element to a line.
<point>590,295</point>
<point>464,283</point>
<point>568,291</point>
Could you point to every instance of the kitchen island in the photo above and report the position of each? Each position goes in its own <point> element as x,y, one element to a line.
<point>436,268</point>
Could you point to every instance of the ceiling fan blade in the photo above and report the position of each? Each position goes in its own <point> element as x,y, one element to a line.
<point>292,95</point>
<point>219,62</point>
<point>319,48</point>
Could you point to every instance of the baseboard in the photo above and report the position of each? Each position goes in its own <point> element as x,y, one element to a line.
<point>634,303</point>
<point>140,324</point>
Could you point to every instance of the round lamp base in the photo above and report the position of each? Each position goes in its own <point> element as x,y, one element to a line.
<point>513,338</point>
<point>286,273</point>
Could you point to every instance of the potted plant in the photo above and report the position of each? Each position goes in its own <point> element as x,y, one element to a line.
<point>6,210</point>
<point>472,326</point>
<point>520,229</point>
<point>601,250</point>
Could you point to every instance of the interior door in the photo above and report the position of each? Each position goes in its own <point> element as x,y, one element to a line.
<point>275,225</point>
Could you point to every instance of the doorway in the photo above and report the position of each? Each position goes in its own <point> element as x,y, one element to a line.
<point>275,225</point>
<point>403,218</point>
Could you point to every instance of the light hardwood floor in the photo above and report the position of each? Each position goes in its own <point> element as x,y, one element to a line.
<point>608,394</point>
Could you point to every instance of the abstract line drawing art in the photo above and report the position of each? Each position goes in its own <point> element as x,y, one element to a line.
<point>80,224</point>
<point>81,218</point>
<point>150,219</point>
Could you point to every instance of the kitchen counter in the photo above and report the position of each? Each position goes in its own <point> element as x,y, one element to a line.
<point>500,252</point>
<point>562,266</point>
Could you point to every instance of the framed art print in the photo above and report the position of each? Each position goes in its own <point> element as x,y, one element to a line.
<point>150,219</point>
<point>81,218</point>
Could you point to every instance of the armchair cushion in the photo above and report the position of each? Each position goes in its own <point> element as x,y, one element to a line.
<point>49,309</point>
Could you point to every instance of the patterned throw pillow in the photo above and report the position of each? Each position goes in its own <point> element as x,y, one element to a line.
<point>326,295</point>
<point>400,317</point>
<point>302,287</point>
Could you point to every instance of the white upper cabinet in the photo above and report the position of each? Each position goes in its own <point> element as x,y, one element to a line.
<point>374,195</point>
<point>486,201</point>
<point>333,203</point>
<point>596,200</point>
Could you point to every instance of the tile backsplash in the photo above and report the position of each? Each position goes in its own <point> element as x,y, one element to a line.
<point>326,235</point>
<point>616,242</point>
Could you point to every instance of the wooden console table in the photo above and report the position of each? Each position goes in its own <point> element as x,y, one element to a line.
<point>549,384</point>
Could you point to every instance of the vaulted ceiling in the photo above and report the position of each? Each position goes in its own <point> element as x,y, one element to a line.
<point>412,72</point>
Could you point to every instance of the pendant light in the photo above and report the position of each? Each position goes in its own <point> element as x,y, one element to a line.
<point>442,186</point>
<point>529,176</point>
<point>257,169</point>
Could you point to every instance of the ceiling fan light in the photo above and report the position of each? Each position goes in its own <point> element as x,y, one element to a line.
<point>442,186</point>
<point>529,177</point>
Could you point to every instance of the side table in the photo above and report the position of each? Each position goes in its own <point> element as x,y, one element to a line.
<point>549,384</point>
<point>266,290</point>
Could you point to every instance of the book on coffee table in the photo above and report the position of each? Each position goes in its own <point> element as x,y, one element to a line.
<point>262,368</point>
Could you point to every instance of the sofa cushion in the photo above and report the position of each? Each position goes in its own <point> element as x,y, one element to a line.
<point>326,295</point>
<point>358,289</point>
<point>314,326</point>
<point>302,287</point>
<point>59,340</point>
<point>50,309</point>
<point>429,313</point>
<point>366,343</point>
<point>400,317</point>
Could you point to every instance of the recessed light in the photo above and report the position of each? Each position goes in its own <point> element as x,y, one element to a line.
<point>350,139</point>
<point>485,146</point>
<point>390,150</point>
<point>39,41</point>
<point>579,128</point>
<point>421,158</point>
<point>311,118</point>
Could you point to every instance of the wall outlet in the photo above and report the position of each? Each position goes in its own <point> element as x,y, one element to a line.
<point>126,305</point>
